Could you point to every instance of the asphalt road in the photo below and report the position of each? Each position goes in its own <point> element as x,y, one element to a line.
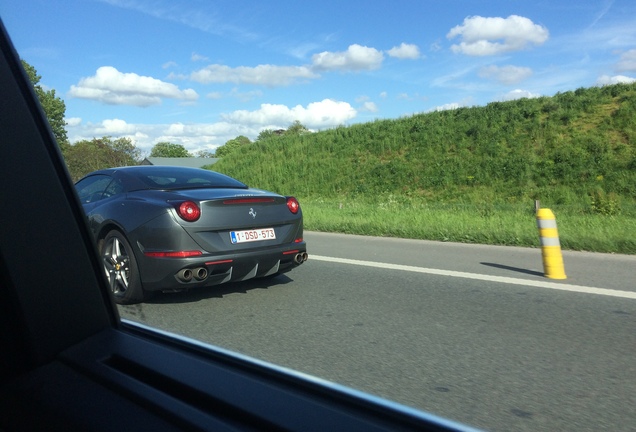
<point>473,333</point>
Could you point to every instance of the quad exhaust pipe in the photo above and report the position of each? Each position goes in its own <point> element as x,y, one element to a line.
<point>300,258</point>
<point>201,273</point>
<point>186,275</point>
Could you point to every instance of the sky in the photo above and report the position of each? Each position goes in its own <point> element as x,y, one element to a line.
<point>201,72</point>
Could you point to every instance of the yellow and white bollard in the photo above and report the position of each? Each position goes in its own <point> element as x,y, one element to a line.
<point>550,246</point>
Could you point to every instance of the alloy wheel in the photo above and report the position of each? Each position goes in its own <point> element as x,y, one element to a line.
<point>116,265</point>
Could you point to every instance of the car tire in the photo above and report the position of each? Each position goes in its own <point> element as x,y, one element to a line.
<point>121,269</point>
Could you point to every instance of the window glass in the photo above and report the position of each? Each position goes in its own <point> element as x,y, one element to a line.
<point>92,188</point>
<point>173,178</point>
<point>384,119</point>
<point>161,181</point>
<point>115,187</point>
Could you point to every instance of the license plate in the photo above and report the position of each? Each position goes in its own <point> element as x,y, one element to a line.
<point>252,235</point>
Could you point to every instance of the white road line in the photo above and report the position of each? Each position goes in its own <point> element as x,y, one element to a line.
<point>476,276</point>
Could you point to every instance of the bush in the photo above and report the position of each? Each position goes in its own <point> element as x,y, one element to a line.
<point>604,204</point>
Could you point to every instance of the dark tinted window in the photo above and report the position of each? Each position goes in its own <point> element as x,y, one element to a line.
<point>115,187</point>
<point>92,188</point>
<point>174,178</point>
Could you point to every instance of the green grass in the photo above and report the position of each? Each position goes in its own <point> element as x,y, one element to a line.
<point>511,225</point>
<point>467,175</point>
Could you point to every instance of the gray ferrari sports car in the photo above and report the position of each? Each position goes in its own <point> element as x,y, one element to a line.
<point>162,228</point>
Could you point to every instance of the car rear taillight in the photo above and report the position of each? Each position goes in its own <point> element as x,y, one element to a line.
<point>189,211</point>
<point>293,205</point>
<point>174,254</point>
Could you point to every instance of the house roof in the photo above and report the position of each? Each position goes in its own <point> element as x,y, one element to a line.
<point>180,161</point>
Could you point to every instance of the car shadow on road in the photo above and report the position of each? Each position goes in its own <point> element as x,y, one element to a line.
<point>515,269</point>
<point>219,291</point>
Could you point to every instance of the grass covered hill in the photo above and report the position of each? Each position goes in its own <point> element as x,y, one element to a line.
<point>560,149</point>
<point>575,152</point>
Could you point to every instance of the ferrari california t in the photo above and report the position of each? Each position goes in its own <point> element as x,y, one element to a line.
<point>161,228</point>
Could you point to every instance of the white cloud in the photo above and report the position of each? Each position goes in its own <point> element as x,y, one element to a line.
<point>194,137</point>
<point>73,121</point>
<point>466,102</point>
<point>519,94</point>
<point>175,129</point>
<point>355,58</point>
<point>617,79</point>
<point>202,135</point>
<point>267,75</point>
<point>491,36</point>
<point>448,106</point>
<point>114,127</point>
<point>110,86</point>
<point>405,51</point>
<point>506,74</point>
<point>198,57</point>
<point>208,136</point>
<point>369,106</point>
<point>316,115</point>
<point>627,63</point>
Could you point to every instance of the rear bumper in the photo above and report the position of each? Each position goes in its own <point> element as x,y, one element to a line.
<point>162,274</point>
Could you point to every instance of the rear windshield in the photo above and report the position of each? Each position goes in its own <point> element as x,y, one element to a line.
<point>178,179</point>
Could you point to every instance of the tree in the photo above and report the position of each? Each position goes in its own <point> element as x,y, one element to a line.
<point>89,155</point>
<point>266,134</point>
<point>168,149</point>
<point>296,128</point>
<point>204,154</point>
<point>231,145</point>
<point>53,107</point>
